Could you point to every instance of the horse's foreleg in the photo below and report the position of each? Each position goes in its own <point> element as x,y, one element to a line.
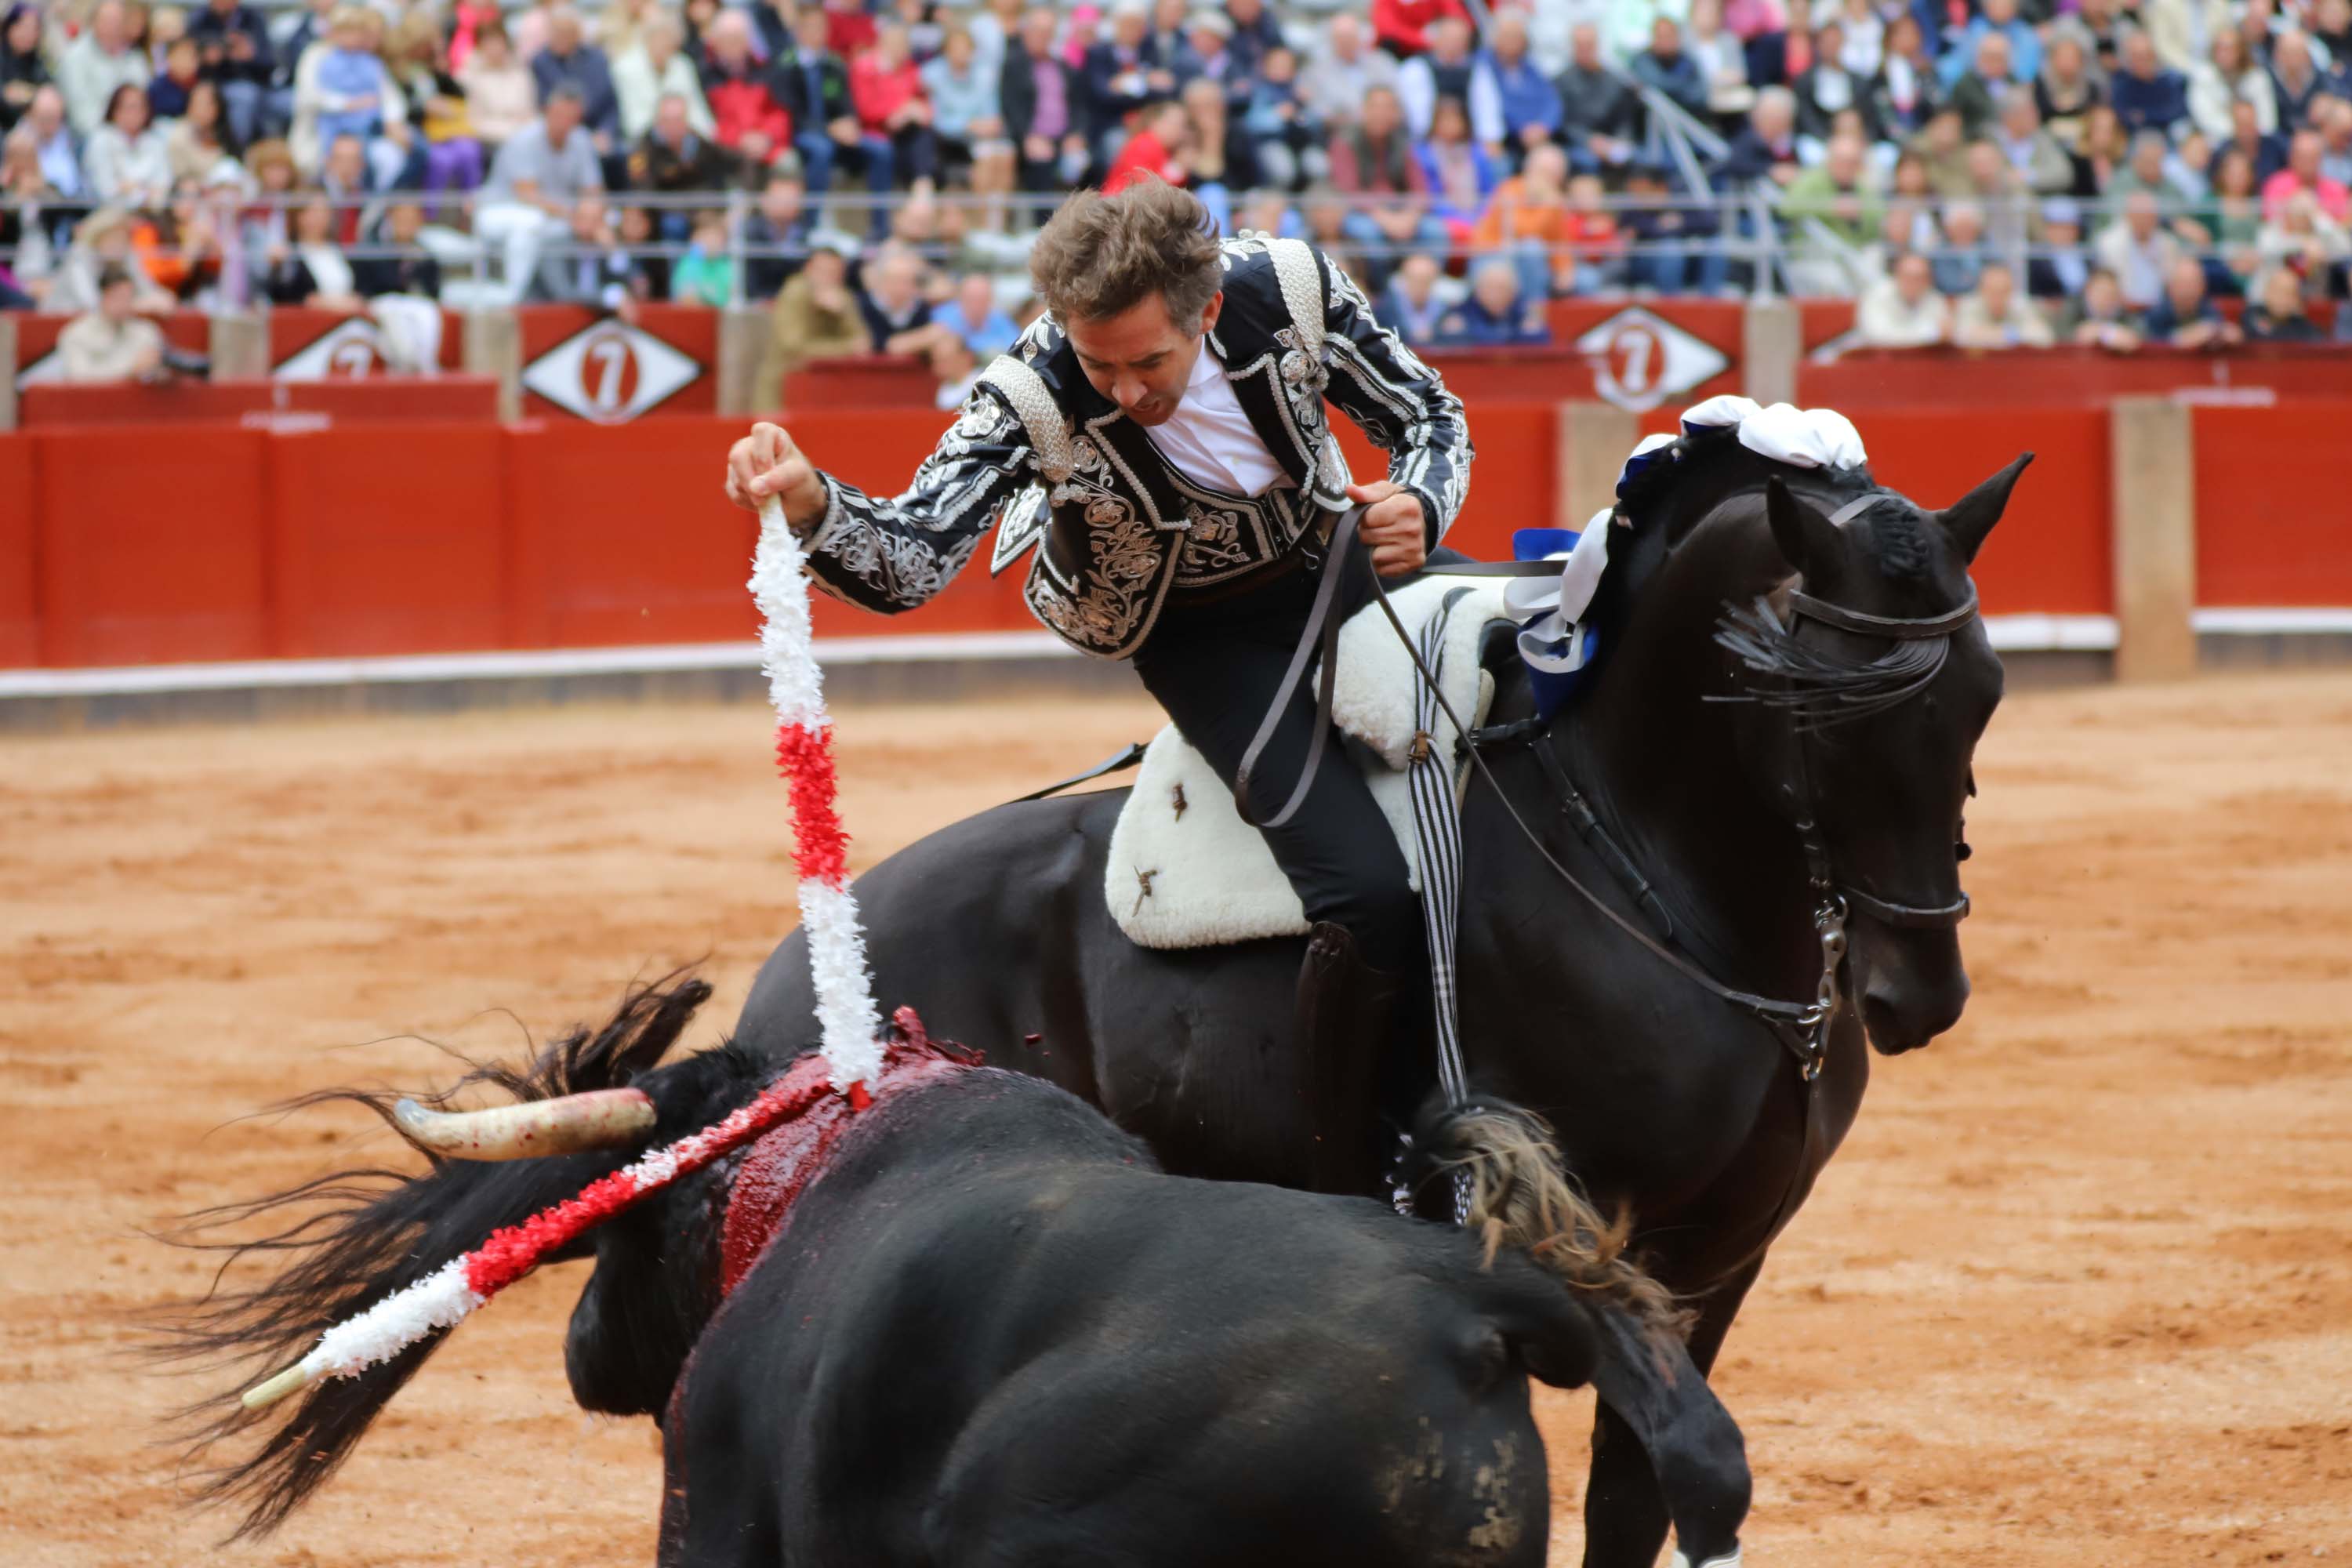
<point>1625,1519</point>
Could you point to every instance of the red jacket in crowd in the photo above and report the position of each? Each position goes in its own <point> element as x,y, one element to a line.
<point>1403,24</point>
<point>879,91</point>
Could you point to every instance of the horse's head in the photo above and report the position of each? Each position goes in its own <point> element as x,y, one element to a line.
<point>1871,679</point>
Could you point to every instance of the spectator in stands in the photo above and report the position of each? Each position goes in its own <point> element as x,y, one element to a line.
<point>1956,265</point>
<point>1207,53</point>
<point>2102,319</point>
<point>103,241</point>
<point>2102,29</point>
<point>2058,269</point>
<point>1124,71</point>
<point>812,85</point>
<point>1766,148</point>
<point>1284,139</point>
<point>1343,74</point>
<point>956,368</point>
<point>403,291</point>
<point>894,116</point>
<point>2069,86</point>
<point>1599,116</point>
<point>1721,60</point>
<point>1996,316</point>
<point>127,162</point>
<point>1449,70</point>
<point>1255,33</point>
<point>2139,250</point>
<point>2295,79</point>
<point>1458,171</point>
<point>313,271</point>
<point>1216,155</point>
<point>2222,81</point>
<point>2336,139</point>
<point>1156,150</point>
<point>2185,315</point>
<point>1527,99</point>
<point>2278,315</point>
<point>2301,239</point>
<point>2231,217</point>
<point>346,181</point>
<point>24,69</point>
<point>538,180</point>
<point>195,145</point>
<point>968,113</point>
<point>1411,305</point>
<point>676,160</point>
<point>596,266</point>
<point>2264,154</point>
<point>974,319</point>
<point>704,275</point>
<point>2023,50</point>
<point>113,342</point>
<point>1669,70</point>
<point>1373,166</point>
<point>1669,249</point>
<point>569,60</point>
<point>890,302</point>
<point>342,88</point>
<point>270,173</point>
<point>1401,27</point>
<point>1596,250</point>
<point>1526,221</point>
<point>1494,315</point>
<point>501,98</point>
<point>776,234</point>
<point>652,69</point>
<point>2041,164</point>
<point>1045,108</point>
<point>2147,95</point>
<point>167,95</point>
<point>1837,195</point>
<point>748,114</point>
<point>1826,90</point>
<point>234,49</point>
<point>103,59</point>
<point>2331,25</point>
<point>53,139</point>
<point>1978,93</point>
<point>1903,310</point>
<point>451,157</point>
<point>2303,174</point>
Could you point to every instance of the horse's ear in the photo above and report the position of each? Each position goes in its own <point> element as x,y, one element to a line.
<point>1970,518</point>
<point>1807,541</point>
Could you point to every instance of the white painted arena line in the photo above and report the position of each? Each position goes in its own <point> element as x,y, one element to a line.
<point>2008,634</point>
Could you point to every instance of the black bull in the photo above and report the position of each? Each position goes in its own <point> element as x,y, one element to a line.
<point>1697,765</point>
<point>995,1332</point>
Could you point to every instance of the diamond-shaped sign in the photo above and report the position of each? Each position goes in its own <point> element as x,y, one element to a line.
<point>348,350</point>
<point>1640,359</point>
<point>610,371</point>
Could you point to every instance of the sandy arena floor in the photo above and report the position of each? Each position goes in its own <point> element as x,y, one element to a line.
<point>2078,1289</point>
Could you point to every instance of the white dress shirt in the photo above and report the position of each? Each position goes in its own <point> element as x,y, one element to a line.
<point>1210,439</point>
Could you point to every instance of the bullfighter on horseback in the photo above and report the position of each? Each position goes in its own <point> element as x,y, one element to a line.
<point>1159,434</point>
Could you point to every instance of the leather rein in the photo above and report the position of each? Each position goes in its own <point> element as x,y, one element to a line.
<point>1803,1027</point>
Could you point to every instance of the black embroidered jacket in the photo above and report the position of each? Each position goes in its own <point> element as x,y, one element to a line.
<point>1121,527</point>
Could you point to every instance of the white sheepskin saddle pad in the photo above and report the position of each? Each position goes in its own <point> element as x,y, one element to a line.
<point>1186,871</point>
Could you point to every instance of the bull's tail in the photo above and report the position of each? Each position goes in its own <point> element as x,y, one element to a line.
<point>345,1241</point>
<point>1522,1195</point>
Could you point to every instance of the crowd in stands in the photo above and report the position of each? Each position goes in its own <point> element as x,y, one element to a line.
<point>1980,172</point>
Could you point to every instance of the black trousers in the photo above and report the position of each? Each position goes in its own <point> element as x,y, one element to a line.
<point>1216,667</point>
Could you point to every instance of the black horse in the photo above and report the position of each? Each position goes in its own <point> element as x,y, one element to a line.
<point>1750,763</point>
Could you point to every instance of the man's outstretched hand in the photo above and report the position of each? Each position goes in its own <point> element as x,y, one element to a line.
<point>1393,526</point>
<point>765,463</point>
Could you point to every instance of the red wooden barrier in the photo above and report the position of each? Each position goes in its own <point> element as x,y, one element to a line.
<point>20,629</point>
<point>1947,378</point>
<point>2274,509</point>
<point>2051,552</point>
<point>864,381</point>
<point>260,403</point>
<point>377,552</point>
<point>151,550</point>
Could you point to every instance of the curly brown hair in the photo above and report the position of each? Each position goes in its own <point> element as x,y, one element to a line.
<point>1101,255</point>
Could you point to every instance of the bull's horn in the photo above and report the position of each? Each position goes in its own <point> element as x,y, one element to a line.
<point>597,1119</point>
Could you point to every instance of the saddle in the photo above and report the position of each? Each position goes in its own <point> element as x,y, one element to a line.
<point>1185,870</point>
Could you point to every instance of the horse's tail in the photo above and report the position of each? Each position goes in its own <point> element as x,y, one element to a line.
<point>344,1242</point>
<point>1522,1195</point>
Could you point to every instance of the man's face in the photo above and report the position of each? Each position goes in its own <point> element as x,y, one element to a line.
<point>2103,296</point>
<point>1509,38</point>
<point>1546,169</point>
<point>48,112</point>
<point>781,202</point>
<point>827,269</point>
<point>1912,279</point>
<point>808,32</point>
<point>1141,359</point>
<point>669,121</point>
<point>588,219</point>
<point>1449,38</point>
<point>347,161</point>
<point>1037,32</point>
<point>1846,161</point>
<point>2282,294</point>
<point>2244,125</point>
<point>1497,288</point>
<point>976,298</point>
<point>2303,155</point>
<point>1417,277</point>
<point>562,119</point>
<point>2019,117</point>
<point>2186,286</point>
<point>119,301</point>
<point>2148,159</point>
<point>1995,286</point>
<point>1992,58</point>
<point>1347,38</point>
<point>1666,38</point>
<point>1381,112</point>
<point>1584,47</point>
<point>407,219</point>
<point>2139,56</point>
<point>106,26</point>
<point>2139,215</point>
